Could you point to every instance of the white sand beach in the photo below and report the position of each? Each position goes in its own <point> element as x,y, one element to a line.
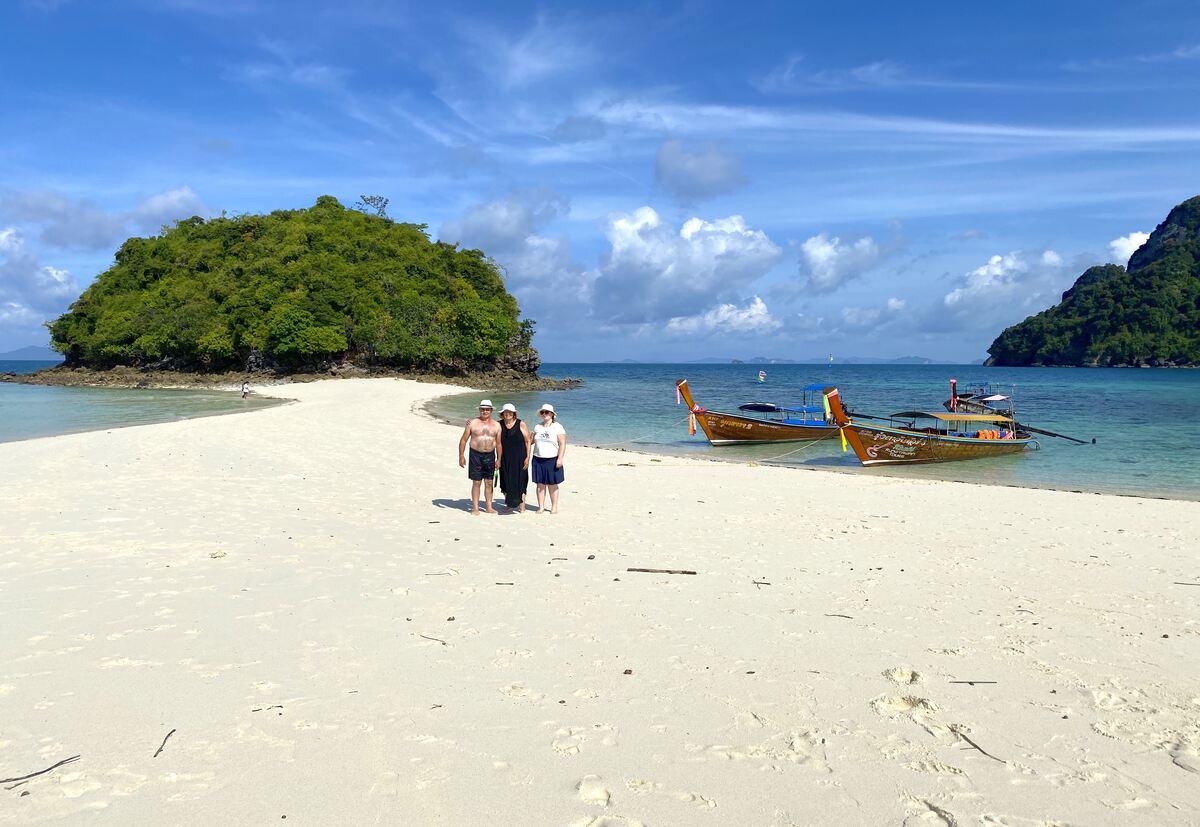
<point>296,597</point>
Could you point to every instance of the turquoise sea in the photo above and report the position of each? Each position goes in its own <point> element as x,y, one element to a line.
<point>28,411</point>
<point>1146,422</point>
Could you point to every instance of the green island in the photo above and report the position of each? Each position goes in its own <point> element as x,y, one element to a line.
<point>1143,315</point>
<point>297,291</point>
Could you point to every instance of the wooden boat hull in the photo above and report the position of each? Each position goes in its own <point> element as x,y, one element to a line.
<point>734,429</point>
<point>876,445</point>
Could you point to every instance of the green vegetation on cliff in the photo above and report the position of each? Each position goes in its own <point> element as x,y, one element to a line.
<point>1148,314</point>
<point>296,288</point>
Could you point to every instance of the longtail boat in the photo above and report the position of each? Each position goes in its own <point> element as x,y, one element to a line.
<point>803,423</point>
<point>979,398</point>
<point>943,437</point>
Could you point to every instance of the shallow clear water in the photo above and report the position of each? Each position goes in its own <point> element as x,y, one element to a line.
<point>1145,421</point>
<point>28,411</point>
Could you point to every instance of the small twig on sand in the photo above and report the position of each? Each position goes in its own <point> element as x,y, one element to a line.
<point>760,583</point>
<point>848,617</point>
<point>438,639</point>
<point>498,583</point>
<point>663,571</point>
<point>163,744</point>
<point>1177,583</point>
<point>955,729</point>
<point>40,772</point>
<point>972,683</point>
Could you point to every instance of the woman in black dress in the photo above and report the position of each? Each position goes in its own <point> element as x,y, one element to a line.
<point>514,458</point>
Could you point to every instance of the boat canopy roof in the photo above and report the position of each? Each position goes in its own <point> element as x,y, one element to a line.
<point>996,397</point>
<point>768,407</point>
<point>817,387</point>
<point>952,417</point>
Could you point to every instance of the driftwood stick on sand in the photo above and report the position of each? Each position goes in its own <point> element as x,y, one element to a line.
<point>41,772</point>
<point>158,751</point>
<point>971,683</point>
<point>663,571</point>
<point>957,731</point>
<point>438,639</point>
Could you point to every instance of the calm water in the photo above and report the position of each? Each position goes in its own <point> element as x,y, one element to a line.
<point>28,411</point>
<point>1145,421</point>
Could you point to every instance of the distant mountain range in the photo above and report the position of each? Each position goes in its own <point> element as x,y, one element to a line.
<point>33,353</point>
<point>817,360</point>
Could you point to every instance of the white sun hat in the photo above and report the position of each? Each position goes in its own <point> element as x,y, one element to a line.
<point>487,403</point>
<point>546,407</point>
<point>508,406</point>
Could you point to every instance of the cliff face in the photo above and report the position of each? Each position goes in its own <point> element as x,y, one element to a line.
<point>295,291</point>
<point>1145,315</point>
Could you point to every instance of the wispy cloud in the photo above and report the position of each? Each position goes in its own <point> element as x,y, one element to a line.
<point>795,77</point>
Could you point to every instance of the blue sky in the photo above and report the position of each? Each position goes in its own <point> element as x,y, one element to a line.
<point>660,181</point>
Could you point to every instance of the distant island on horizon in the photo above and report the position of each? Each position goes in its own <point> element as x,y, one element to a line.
<point>764,360</point>
<point>31,353</point>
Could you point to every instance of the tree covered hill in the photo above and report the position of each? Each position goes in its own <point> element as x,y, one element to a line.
<point>296,289</point>
<point>1146,314</point>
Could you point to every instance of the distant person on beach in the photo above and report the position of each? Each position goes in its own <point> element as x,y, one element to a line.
<point>549,448</point>
<point>245,389</point>
<point>515,449</point>
<point>483,433</point>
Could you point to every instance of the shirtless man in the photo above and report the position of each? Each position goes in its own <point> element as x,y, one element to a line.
<point>484,435</point>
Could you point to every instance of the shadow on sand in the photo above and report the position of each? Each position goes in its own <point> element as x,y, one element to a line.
<point>464,504</point>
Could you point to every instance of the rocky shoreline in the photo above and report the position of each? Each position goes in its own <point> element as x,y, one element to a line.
<point>129,377</point>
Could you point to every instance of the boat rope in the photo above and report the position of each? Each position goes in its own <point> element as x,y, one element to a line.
<point>803,447</point>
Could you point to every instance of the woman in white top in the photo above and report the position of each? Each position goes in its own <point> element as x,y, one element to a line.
<point>549,448</point>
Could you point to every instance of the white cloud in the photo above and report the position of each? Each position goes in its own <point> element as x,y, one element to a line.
<point>1125,246</point>
<point>28,287</point>
<point>828,262</point>
<point>695,174</point>
<point>539,270</point>
<point>1003,290</point>
<point>653,273</point>
<point>753,317</point>
<point>81,224</point>
<point>859,319</point>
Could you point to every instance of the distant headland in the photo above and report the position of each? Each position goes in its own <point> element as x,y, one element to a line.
<point>1144,315</point>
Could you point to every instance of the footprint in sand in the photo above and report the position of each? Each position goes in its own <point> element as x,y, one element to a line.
<point>1185,757</point>
<point>606,821</point>
<point>923,813</point>
<point>903,676</point>
<point>592,790</point>
<point>891,706</point>
<point>521,693</point>
<point>568,740</point>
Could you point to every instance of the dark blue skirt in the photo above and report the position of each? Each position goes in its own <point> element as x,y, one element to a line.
<point>544,472</point>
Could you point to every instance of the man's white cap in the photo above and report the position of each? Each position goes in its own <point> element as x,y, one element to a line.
<point>508,406</point>
<point>546,407</point>
<point>487,403</point>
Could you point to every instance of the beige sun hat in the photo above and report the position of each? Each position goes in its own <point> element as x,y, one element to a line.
<point>508,406</point>
<point>546,407</point>
<point>487,403</point>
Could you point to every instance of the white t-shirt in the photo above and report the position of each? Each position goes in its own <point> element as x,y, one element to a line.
<point>545,439</point>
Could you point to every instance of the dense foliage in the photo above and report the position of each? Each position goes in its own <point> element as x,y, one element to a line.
<point>1148,314</point>
<point>294,288</point>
